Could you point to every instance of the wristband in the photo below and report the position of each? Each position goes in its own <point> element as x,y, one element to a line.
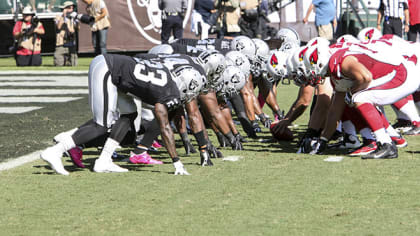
<point>201,140</point>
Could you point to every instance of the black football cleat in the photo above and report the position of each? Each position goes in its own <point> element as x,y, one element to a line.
<point>384,151</point>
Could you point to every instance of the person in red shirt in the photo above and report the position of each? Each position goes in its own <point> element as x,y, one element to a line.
<point>413,9</point>
<point>27,32</point>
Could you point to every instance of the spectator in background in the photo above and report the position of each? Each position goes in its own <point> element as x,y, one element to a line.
<point>172,18</point>
<point>27,32</point>
<point>325,20</point>
<point>228,22</point>
<point>393,12</point>
<point>414,12</point>
<point>250,18</point>
<point>66,27</point>
<point>50,5</point>
<point>98,10</point>
<point>203,9</point>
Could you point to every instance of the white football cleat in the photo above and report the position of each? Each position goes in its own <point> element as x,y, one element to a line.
<point>107,166</point>
<point>53,158</point>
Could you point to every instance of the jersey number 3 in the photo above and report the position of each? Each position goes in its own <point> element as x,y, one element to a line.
<point>156,77</point>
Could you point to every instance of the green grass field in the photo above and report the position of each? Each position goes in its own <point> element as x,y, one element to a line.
<point>47,64</point>
<point>272,191</point>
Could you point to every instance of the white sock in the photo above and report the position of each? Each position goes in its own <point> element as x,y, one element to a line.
<point>108,150</point>
<point>409,110</point>
<point>392,132</point>
<point>366,133</point>
<point>382,136</point>
<point>349,128</point>
<point>400,115</point>
<point>61,135</point>
<point>340,126</point>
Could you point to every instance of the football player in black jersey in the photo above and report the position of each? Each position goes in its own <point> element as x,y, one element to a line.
<point>114,81</point>
<point>212,63</point>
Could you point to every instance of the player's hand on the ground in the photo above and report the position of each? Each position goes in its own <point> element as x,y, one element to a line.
<point>236,144</point>
<point>180,169</point>
<point>319,146</point>
<point>189,148</point>
<point>264,120</point>
<point>205,157</point>
<point>255,126</point>
<point>306,145</point>
<point>239,137</point>
<point>213,151</point>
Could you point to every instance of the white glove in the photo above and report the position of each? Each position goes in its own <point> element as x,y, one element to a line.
<point>179,169</point>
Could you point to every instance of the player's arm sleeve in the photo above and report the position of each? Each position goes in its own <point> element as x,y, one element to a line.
<point>161,114</point>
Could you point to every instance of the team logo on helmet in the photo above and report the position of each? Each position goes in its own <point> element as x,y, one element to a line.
<point>240,46</point>
<point>274,61</point>
<point>313,58</point>
<point>302,53</point>
<point>239,61</point>
<point>369,34</point>
<point>235,79</point>
<point>147,18</point>
<point>193,85</point>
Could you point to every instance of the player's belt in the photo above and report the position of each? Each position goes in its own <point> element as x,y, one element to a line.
<point>172,13</point>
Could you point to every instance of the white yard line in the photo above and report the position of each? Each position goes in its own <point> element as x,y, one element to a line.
<point>28,92</point>
<point>20,161</point>
<point>17,110</point>
<point>37,99</point>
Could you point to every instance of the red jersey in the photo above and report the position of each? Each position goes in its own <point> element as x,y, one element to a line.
<point>21,50</point>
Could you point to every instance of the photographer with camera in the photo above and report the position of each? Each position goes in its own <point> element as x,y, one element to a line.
<point>27,33</point>
<point>100,24</point>
<point>67,26</point>
<point>229,15</point>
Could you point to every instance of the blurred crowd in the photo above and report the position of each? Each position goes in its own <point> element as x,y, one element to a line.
<point>209,19</point>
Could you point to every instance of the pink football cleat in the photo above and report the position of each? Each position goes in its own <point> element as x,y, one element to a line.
<point>144,158</point>
<point>76,155</point>
<point>156,144</point>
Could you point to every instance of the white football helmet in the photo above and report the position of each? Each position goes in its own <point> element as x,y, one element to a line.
<point>161,49</point>
<point>318,40</point>
<point>288,46</point>
<point>245,45</point>
<point>316,60</point>
<point>240,60</point>
<point>368,34</point>
<point>288,35</point>
<point>233,80</point>
<point>276,65</point>
<point>296,67</point>
<point>213,63</point>
<point>189,82</point>
<point>261,55</point>
<point>347,38</point>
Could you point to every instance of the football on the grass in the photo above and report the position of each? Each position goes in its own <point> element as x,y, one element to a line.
<point>286,135</point>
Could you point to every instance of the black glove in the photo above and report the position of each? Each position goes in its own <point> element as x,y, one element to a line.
<point>205,157</point>
<point>213,151</point>
<point>235,143</point>
<point>222,140</point>
<point>319,146</point>
<point>241,139</point>
<point>310,133</point>
<point>264,120</point>
<point>255,126</point>
<point>189,148</point>
<point>279,114</point>
<point>348,99</point>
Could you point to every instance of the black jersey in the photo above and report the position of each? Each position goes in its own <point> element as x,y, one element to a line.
<point>172,61</point>
<point>221,45</point>
<point>147,80</point>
